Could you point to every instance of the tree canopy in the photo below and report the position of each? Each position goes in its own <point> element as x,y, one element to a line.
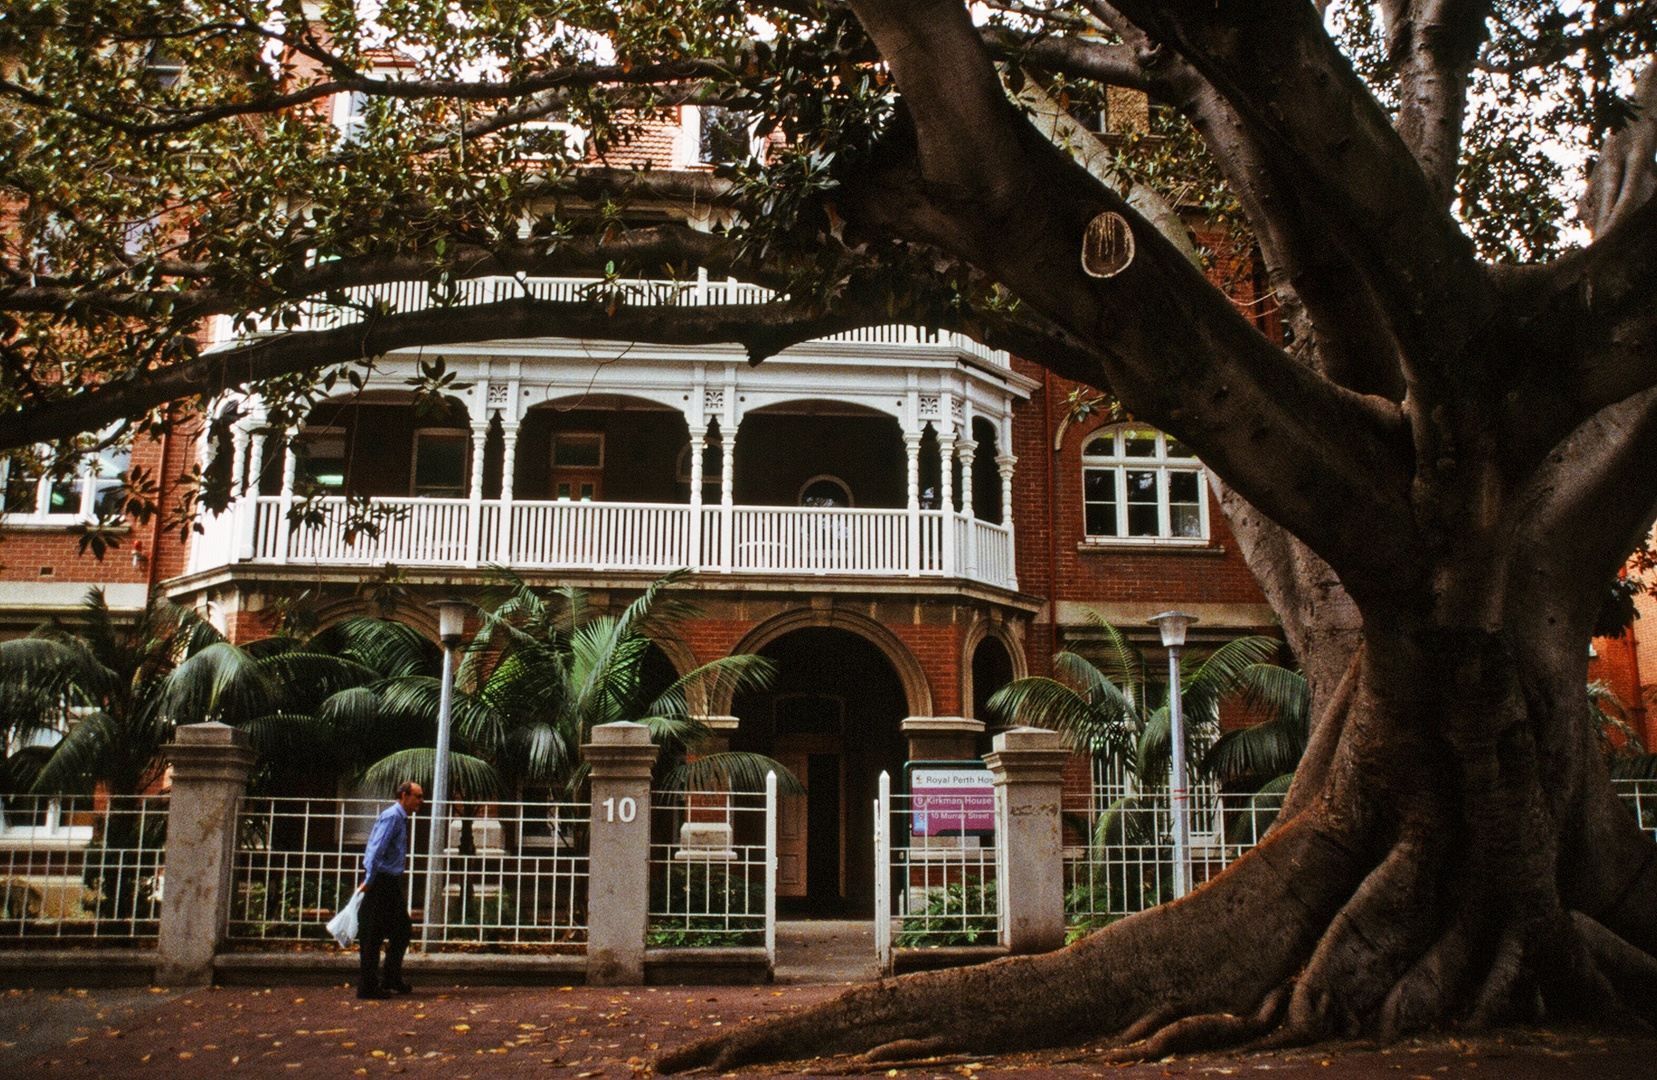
<point>1434,476</point>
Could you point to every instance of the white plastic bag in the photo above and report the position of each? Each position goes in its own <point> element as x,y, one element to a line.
<point>344,925</point>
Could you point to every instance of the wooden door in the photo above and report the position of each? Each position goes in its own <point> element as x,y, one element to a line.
<point>791,829</point>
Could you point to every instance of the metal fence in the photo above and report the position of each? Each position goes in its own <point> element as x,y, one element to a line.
<point>1640,796</point>
<point>713,869</point>
<point>936,868</point>
<point>82,867</point>
<point>1119,857</point>
<point>513,875</point>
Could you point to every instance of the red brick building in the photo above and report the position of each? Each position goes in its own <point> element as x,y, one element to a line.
<point>890,515</point>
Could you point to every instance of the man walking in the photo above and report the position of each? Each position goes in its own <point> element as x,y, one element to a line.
<point>384,913</point>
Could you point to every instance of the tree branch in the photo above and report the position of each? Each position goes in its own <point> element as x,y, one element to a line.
<point>1331,147</point>
<point>763,329</point>
<point>1434,44</point>
<point>1625,176</point>
<point>979,182</point>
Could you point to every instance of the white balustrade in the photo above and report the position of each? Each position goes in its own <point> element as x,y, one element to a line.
<point>653,537</point>
<point>596,535</point>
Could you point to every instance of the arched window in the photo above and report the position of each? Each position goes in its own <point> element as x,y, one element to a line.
<point>1140,485</point>
<point>825,491</point>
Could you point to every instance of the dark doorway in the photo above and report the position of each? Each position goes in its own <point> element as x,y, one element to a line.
<point>992,669</point>
<point>833,717</point>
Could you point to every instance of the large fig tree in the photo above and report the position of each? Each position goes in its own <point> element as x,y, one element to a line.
<point>1435,479</point>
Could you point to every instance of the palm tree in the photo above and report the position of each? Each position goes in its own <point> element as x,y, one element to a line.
<point>116,691</point>
<point>545,670</point>
<point>1114,712</point>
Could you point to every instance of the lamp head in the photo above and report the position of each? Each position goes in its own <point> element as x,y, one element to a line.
<point>1172,624</point>
<point>451,619</point>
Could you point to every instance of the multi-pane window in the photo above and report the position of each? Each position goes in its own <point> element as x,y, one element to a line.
<point>96,491</point>
<point>1139,484</point>
<point>724,136</point>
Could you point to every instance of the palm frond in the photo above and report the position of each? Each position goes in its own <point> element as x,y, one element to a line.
<point>1272,748</point>
<point>221,682</point>
<point>731,771</point>
<point>717,680</point>
<point>1124,663</point>
<point>1216,676</point>
<point>470,778</point>
<point>1100,727</point>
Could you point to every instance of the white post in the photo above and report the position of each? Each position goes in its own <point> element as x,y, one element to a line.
<point>912,445</point>
<point>474,497</point>
<point>967,448</point>
<point>883,874</point>
<point>509,465</point>
<point>439,839</point>
<point>693,543</point>
<point>771,870</point>
<point>1177,785</point>
<point>946,492</point>
<point>244,507</point>
<point>284,529</point>
<point>727,489</point>
<point>1005,463</point>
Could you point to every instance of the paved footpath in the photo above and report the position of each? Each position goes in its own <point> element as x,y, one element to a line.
<point>320,1033</point>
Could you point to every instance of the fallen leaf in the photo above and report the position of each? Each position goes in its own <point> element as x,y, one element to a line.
<point>463,1027</point>
<point>185,1055</point>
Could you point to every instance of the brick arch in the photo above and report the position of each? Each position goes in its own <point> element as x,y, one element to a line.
<point>1003,633</point>
<point>917,691</point>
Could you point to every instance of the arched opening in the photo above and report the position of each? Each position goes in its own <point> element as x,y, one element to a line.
<point>992,668</point>
<point>833,717</point>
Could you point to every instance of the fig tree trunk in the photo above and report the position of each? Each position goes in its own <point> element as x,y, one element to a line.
<point>1459,859</point>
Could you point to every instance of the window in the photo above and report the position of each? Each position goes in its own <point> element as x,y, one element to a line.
<point>319,460</point>
<point>578,465</point>
<point>97,490</point>
<point>725,137</point>
<point>1139,484</point>
<point>440,459</point>
<point>825,491</point>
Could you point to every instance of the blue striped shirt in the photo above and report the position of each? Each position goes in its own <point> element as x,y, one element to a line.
<point>387,850</point>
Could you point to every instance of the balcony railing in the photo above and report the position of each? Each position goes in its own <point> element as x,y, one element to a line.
<point>403,296</point>
<point>566,535</point>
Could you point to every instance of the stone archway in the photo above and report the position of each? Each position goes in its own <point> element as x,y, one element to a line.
<point>917,690</point>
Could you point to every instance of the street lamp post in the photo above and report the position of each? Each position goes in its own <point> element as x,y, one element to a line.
<point>451,620</point>
<point>1172,625</point>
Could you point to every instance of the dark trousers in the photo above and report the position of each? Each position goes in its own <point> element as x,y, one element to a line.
<point>383,919</point>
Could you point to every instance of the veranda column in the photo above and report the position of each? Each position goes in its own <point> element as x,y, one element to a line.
<point>474,496</point>
<point>946,488</point>
<point>1005,463</point>
<point>1027,765</point>
<point>693,542</point>
<point>618,881</point>
<point>243,506</point>
<point>966,449</point>
<point>727,493</point>
<point>284,528</point>
<point>509,466</point>
<point>210,765</point>
<point>912,446</point>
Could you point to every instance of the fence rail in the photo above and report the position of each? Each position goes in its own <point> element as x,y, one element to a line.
<point>82,867</point>
<point>514,875</point>
<point>713,860</point>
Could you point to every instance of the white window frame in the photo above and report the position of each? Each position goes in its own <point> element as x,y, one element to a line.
<point>85,483</point>
<point>1119,465</point>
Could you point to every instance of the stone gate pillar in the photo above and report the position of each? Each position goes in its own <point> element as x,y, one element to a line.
<point>618,863</point>
<point>210,767</point>
<point>1028,768</point>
